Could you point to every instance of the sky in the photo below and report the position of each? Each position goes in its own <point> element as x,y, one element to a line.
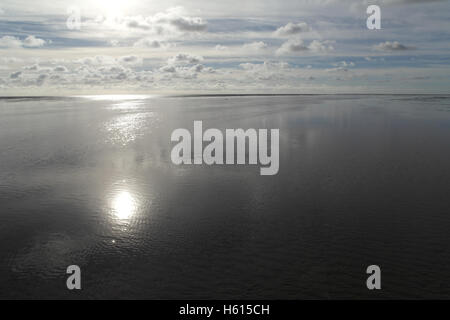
<point>78,47</point>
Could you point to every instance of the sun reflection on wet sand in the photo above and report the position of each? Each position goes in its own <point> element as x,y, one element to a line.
<point>116,97</point>
<point>127,128</point>
<point>124,205</point>
<point>132,120</point>
<point>128,105</point>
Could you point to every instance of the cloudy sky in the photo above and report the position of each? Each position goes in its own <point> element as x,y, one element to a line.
<point>233,46</point>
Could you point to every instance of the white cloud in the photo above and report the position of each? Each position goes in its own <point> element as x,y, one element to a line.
<point>291,46</point>
<point>293,29</point>
<point>337,69</point>
<point>183,58</point>
<point>344,64</point>
<point>33,42</point>
<point>97,60</point>
<point>220,47</point>
<point>10,42</point>
<point>36,67</point>
<point>167,22</point>
<point>170,69</point>
<point>265,66</point>
<point>10,60</point>
<point>184,72</point>
<point>268,70</point>
<point>236,35</point>
<point>298,46</point>
<point>28,42</point>
<point>149,43</point>
<point>184,66</point>
<point>391,46</point>
<point>255,46</point>
<point>321,46</point>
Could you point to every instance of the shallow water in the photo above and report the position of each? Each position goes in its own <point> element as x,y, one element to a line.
<point>89,181</point>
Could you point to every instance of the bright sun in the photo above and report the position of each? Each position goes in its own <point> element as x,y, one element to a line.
<point>113,7</point>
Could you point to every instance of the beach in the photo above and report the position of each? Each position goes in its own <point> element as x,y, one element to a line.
<point>89,181</point>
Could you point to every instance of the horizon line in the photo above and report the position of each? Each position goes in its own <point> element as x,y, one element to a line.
<point>222,95</point>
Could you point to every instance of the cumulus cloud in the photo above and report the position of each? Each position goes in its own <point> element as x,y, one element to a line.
<point>337,69</point>
<point>112,69</point>
<point>15,75</point>
<point>10,60</point>
<point>147,43</point>
<point>33,42</point>
<point>105,69</point>
<point>138,22</point>
<point>268,70</point>
<point>234,38</point>
<point>10,42</point>
<point>170,69</point>
<point>298,46</point>
<point>220,47</point>
<point>292,29</point>
<point>189,24</point>
<point>255,46</point>
<point>185,66</point>
<point>41,79</point>
<point>172,20</point>
<point>391,46</point>
<point>28,42</point>
<point>130,60</point>
<point>265,66</point>
<point>60,69</point>
<point>293,45</point>
<point>150,43</point>
<point>344,64</point>
<point>185,71</point>
<point>183,58</point>
<point>321,46</point>
<point>97,60</point>
<point>36,67</point>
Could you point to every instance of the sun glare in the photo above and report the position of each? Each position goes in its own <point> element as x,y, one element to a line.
<point>124,205</point>
<point>113,8</point>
